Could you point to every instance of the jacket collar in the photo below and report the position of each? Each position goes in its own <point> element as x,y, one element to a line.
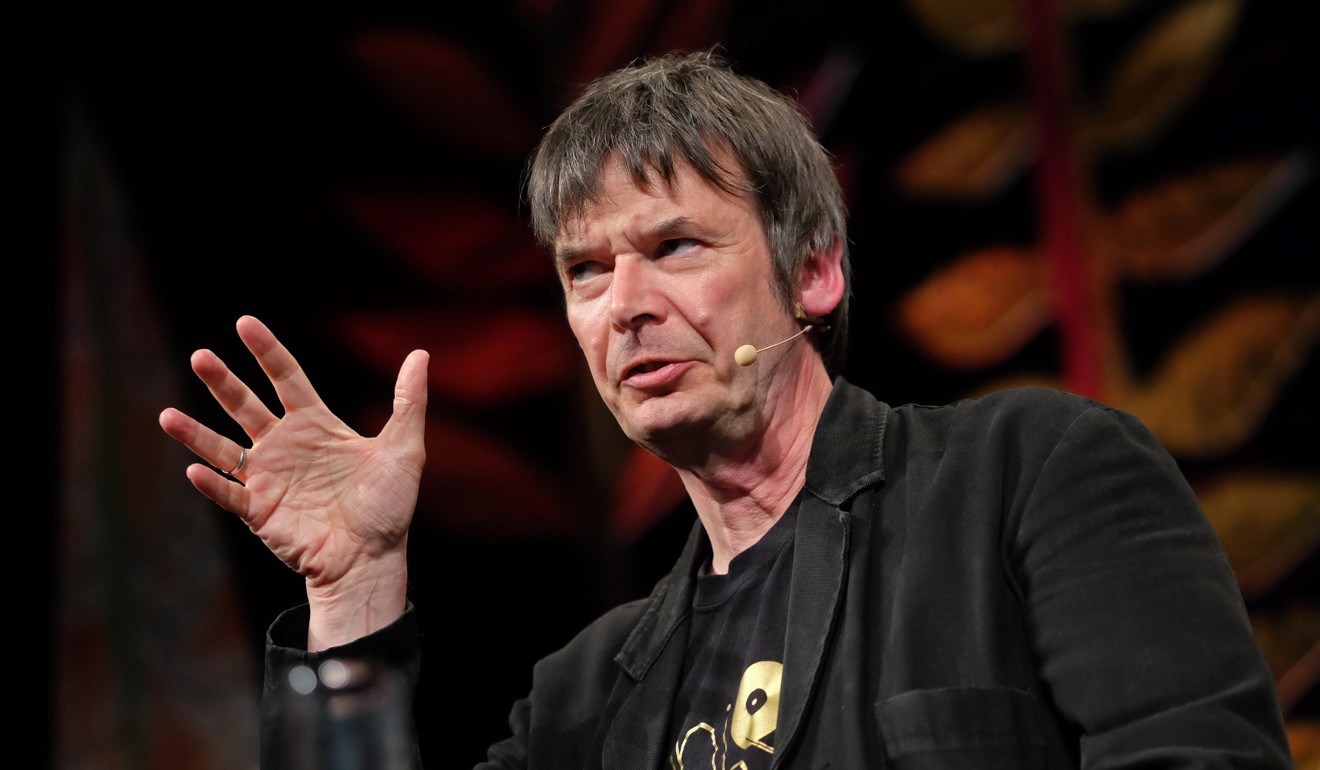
<point>847,452</point>
<point>653,657</point>
<point>846,457</point>
<point>670,603</point>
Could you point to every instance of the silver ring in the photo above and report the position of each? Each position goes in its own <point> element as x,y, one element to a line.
<point>242,460</point>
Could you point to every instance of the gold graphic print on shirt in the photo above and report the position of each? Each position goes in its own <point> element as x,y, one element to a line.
<point>749,722</point>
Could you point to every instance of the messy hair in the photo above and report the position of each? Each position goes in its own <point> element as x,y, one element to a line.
<point>694,108</point>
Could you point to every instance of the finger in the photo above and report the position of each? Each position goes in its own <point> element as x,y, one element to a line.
<point>230,495</point>
<point>291,383</point>
<point>237,399</point>
<point>407,422</point>
<point>208,445</point>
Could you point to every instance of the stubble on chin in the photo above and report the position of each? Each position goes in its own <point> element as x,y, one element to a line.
<point>686,432</point>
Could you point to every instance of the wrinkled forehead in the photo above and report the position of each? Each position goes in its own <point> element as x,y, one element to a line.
<point>660,173</point>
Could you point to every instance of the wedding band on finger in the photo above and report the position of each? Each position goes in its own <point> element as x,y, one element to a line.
<point>242,460</point>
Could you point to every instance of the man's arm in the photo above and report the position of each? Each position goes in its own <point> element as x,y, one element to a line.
<point>331,504</point>
<point>1138,625</point>
<point>390,658</point>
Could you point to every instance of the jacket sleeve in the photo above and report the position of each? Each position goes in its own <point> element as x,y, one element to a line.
<point>1139,628</point>
<point>299,698</point>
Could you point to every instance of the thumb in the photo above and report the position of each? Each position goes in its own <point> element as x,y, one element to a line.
<point>407,422</point>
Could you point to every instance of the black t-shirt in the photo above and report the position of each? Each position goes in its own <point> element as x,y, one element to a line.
<point>728,705</point>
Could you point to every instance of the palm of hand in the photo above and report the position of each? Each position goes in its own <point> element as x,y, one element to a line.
<point>327,501</point>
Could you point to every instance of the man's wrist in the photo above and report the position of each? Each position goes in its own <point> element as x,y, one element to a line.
<point>361,603</point>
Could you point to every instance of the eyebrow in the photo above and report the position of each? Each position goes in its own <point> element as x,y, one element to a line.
<point>670,227</point>
<point>663,230</point>
<point>565,255</point>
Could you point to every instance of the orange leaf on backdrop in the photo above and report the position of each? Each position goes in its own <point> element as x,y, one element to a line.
<point>1184,226</point>
<point>1289,638</point>
<point>1162,73</point>
<point>1218,383</point>
<point>1268,522</point>
<point>979,310</point>
<point>973,27</point>
<point>976,156</point>
<point>990,27</point>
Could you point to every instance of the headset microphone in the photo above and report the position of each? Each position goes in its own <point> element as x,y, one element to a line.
<point>746,355</point>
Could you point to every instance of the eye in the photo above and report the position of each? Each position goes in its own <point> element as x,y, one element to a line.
<point>584,270</point>
<point>676,246</point>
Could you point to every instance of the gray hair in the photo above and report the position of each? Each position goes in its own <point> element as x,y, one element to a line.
<point>695,108</point>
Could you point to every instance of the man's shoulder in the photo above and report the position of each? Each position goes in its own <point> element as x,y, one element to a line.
<point>1017,428</point>
<point>1019,400</point>
<point>861,438</point>
<point>1007,404</point>
<point>1035,412</point>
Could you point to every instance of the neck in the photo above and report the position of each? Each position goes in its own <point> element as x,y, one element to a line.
<point>741,489</point>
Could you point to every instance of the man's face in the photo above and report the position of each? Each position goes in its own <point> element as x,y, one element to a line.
<point>662,284</point>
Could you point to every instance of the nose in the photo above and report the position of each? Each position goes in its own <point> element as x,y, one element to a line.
<point>635,296</point>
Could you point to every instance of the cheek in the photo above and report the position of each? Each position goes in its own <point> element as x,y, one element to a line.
<point>591,339</point>
<point>720,308</point>
<point>708,303</point>
<point>586,338</point>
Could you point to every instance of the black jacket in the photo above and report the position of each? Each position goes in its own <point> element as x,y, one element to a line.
<point>1018,581</point>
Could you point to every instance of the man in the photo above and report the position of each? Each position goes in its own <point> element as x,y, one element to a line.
<point>1022,580</point>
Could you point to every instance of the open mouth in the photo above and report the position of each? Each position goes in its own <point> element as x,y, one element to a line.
<point>643,368</point>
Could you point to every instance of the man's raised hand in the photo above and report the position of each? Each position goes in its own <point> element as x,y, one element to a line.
<point>333,505</point>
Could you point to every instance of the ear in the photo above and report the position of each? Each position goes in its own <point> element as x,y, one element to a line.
<point>820,280</point>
